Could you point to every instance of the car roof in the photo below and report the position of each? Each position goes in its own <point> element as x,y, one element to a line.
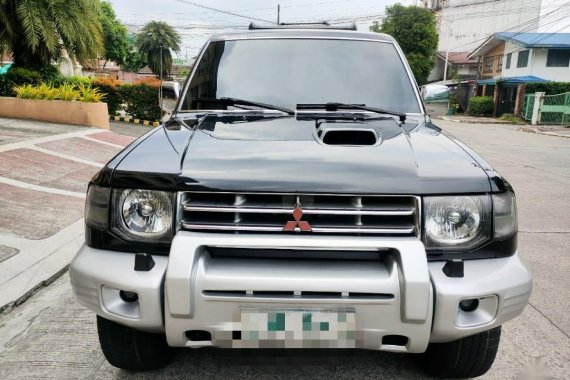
<point>303,33</point>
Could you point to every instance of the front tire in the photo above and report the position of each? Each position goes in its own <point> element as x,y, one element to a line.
<point>130,349</point>
<point>467,357</point>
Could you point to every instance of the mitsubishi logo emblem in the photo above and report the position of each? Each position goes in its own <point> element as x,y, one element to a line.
<point>302,225</point>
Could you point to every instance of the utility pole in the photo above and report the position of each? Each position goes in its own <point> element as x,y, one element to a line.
<point>160,88</point>
<point>446,51</point>
<point>278,12</point>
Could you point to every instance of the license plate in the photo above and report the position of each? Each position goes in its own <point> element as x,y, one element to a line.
<point>295,329</point>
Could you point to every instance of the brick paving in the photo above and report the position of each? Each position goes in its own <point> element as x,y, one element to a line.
<point>34,214</point>
<point>38,168</point>
<point>112,138</point>
<point>82,148</point>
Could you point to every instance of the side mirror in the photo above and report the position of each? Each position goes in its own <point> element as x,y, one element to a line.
<point>168,96</point>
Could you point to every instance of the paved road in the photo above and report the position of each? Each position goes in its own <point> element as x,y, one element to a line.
<point>50,336</point>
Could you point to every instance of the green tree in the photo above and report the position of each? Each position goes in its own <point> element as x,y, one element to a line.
<point>35,30</point>
<point>415,30</point>
<point>156,40</point>
<point>115,35</point>
<point>134,60</point>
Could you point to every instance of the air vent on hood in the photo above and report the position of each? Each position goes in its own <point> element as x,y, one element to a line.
<point>350,137</point>
<point>348,134</point>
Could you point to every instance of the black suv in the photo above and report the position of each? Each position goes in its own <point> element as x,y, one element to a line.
<point>300,197</point>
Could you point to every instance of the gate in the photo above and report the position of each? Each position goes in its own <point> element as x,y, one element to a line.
<point>555,109</point>
<point>507,100</point>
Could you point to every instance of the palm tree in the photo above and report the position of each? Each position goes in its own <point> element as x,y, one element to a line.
<point>156,40</point>
<point>34,31</point>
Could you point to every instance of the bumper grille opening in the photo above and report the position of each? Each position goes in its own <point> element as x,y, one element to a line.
<point>297,254</point>
<point>198,336</point>
<point>367,215</point>
<point>394,340</point>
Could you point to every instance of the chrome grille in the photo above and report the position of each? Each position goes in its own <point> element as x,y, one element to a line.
<point>326,214</point>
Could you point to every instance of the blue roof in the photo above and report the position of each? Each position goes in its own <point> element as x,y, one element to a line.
<point>537,40</point>
<point>512,80</point>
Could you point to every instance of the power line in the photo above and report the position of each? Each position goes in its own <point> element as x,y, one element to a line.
<point>528,25</point>
<point>222,11</point>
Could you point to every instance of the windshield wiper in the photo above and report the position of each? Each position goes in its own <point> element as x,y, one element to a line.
<point>235,102</point>
<point>344,106</point>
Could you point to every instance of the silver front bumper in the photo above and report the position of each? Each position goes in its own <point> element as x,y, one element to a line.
<point>415,299</point>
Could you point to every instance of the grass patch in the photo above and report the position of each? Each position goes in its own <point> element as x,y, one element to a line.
<point>512,119</point>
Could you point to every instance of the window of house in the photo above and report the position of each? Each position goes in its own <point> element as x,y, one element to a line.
<point>488,64</point>
<point>509,56</point>
<point>522,60</point>
<point>558,58</point>
<point>500,63</point>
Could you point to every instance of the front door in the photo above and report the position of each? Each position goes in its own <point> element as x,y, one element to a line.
<point>507,100</point>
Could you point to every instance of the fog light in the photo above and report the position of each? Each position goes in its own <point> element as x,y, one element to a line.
<point>121,302</point>
<point>128,296</point>
<point>469,305</point>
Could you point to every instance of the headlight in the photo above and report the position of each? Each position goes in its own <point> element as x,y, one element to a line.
<point>453,222</point>
<point>144,213</point>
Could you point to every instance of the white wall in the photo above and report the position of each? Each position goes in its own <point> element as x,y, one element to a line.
<point>464,25</point>
<point>536,65</point>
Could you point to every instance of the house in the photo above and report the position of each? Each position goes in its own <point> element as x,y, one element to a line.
<point>459,67</point>
<point>545,55</point>
<point>509,60</point>
<point>463,24</point>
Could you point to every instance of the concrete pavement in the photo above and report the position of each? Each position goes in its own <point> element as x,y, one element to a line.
<point>51,336</point>
<point>551,130</point>
<point>44,171</point>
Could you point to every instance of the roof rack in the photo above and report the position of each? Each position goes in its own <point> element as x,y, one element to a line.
<point>303,25</point>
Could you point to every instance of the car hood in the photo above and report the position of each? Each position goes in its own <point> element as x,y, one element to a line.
<point>287,155</point>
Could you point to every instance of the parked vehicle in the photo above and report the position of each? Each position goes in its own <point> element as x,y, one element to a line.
<point>299,196</point>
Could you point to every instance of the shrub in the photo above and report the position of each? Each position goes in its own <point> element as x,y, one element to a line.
<point>47,92</point>
<point>49,73</point>
<point>141,101</point>
<point>481,105</point>
<point>73,80</point>
<point>68,92</point>
<point>550,88</point>
<point>110,89</point>
<point>88,94</point>
<point>18,76</point>
<point>26,91</point>
<point>151,81</point>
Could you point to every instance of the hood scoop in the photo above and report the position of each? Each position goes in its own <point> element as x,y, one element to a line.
<point>347,134</point>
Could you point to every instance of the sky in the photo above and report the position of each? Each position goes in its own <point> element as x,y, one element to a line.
<point>196,24</point>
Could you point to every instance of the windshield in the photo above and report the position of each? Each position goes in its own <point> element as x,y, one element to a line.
<point>287,72</point>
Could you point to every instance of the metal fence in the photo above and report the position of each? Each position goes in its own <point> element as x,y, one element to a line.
<point>554,109</point>
<point>528,106</point>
